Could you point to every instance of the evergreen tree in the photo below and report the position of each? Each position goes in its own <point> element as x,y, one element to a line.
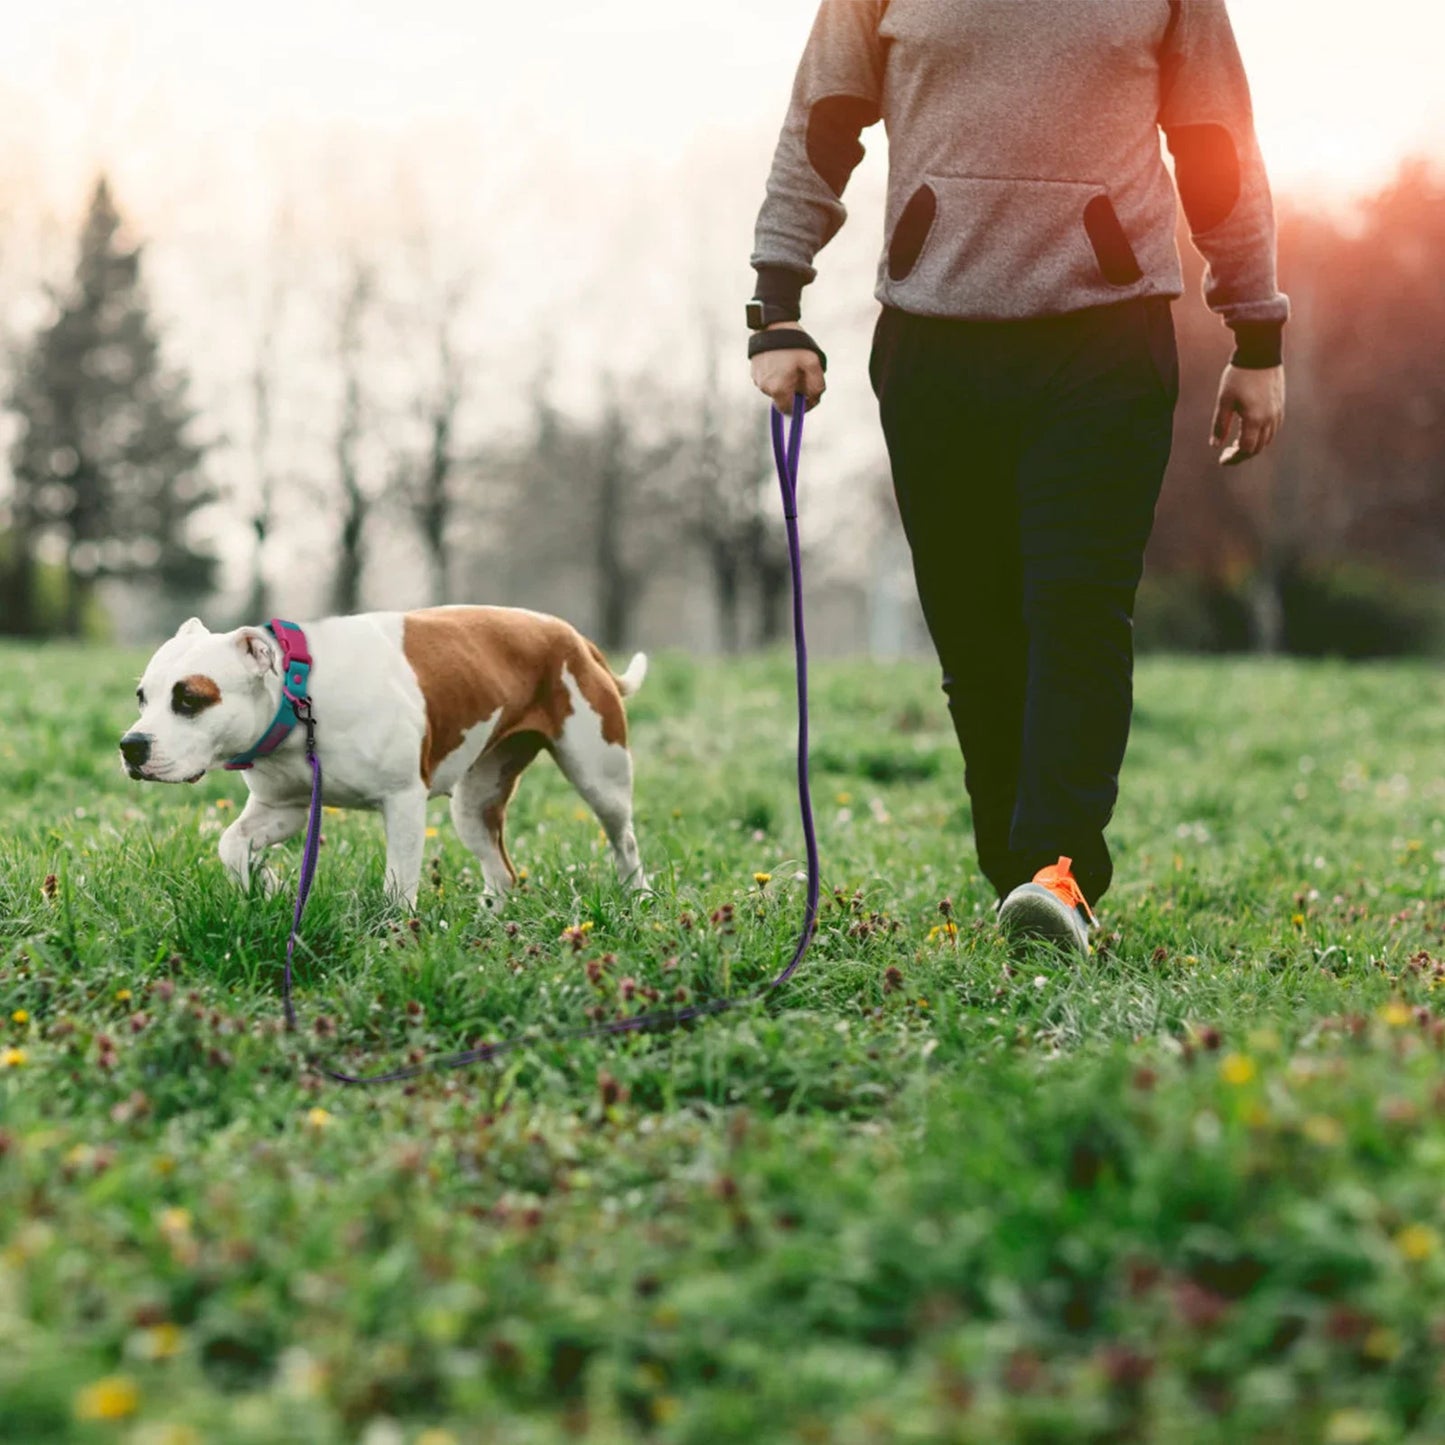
<point>103,463</point>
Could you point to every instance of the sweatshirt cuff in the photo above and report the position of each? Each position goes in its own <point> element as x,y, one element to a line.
<point>781,286</point>
<point>1258,345</point>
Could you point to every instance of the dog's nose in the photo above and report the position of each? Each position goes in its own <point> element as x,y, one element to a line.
<point>135,748</point>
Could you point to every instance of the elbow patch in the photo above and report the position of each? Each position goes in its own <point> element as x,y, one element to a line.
<point>1206,169</point>
<point>833,146</point>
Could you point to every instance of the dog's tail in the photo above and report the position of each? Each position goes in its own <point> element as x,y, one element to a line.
<point>629,682</point>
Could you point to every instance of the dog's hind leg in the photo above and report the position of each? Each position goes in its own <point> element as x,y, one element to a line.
<point>404,815</point>
<point>601,772</point>
<point>258,827</point>
<point>479,807</point>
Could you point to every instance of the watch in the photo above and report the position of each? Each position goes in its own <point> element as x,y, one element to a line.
<point>762,314</point>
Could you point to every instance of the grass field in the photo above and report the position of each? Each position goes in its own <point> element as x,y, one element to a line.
<point>1191,1192</point>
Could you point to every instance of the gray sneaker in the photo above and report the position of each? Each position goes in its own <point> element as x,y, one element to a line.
<point>1052,909</point>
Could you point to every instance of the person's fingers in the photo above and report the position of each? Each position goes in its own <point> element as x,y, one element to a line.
<point>1251,429</point>
<point>1223,418</point>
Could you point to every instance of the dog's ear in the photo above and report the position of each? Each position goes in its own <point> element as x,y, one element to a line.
<point>190,626</point>
<point>258,651</point>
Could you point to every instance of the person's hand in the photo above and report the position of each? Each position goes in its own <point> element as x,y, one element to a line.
<point>781,375</point>
<point>1257,399</point>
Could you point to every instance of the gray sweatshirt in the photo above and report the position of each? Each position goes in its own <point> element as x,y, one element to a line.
<point>1026,177</point>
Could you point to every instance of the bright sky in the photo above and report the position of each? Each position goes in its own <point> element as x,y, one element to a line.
<point>1341,88</point>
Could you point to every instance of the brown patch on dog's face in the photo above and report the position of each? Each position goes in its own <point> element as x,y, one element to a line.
<point>192,695</point>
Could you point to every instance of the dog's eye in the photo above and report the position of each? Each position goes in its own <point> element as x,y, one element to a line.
<point>184,702</point>
<point>140,696</point>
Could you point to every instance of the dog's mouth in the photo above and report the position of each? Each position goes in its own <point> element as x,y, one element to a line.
<point>140,775</point>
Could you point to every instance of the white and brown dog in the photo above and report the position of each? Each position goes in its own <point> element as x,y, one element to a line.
<point>409,706</point>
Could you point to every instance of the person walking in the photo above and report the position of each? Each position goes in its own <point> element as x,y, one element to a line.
<point>1024,359</point>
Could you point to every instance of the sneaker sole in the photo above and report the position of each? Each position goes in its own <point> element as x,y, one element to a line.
<point>1032,914</point>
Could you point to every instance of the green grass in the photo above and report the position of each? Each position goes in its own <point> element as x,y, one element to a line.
<point>1193,1191</point>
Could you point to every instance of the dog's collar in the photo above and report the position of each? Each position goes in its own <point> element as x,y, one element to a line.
<point>295,704</point>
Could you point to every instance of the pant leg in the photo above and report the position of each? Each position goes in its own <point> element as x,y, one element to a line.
<point>953,445</point>
<point>1088,482</point>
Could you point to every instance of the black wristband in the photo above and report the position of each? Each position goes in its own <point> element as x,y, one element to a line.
<point>793,339</point>
<point>1258,345</point>
<point>781,286</point>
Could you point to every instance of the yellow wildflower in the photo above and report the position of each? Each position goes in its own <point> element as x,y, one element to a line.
<point>665,1408</point>
<point>175,1221</point>
<point>163,1342</point>
<point>13,1058</point>
<point>224,805</point>
<point>1236,1069</point>
<point>943,930</point>
<point>318,1118</point>
<point>1417,1242</point>
<point>20,1017</point>
<point>1298,919</point>
<point>1397,1013</point>
<point>762,879</point>
<point>432,832</point>
<point>843,799</point>
<point>112,1398</point>
<point>122,995</point>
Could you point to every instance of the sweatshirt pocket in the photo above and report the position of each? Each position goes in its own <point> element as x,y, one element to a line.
<point>1002,247</point>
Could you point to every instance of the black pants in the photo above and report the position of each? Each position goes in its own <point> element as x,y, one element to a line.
<point>1027,458</point>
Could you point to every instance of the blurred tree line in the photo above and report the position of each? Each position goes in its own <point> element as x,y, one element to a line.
<point>1335,542</point>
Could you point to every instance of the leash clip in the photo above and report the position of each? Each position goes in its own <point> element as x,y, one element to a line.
<point>306,715</point>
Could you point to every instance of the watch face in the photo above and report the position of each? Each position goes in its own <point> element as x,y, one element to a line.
<point>755,316</point>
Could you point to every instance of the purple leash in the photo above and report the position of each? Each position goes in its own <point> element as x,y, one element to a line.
<point>786,454</point>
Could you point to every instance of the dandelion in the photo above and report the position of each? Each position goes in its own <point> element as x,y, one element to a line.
<point>20,1017</point>
<point>1236,1069</point>
<point>13,1058</point>
<point>112,1398</point>
<point>122,995</point>
<point>433,832</point>
<point>175,1221</point>
<point>1397,1014</point>
<point>318,1118</point>
<point>224,805</point>
<point>943,930</point>
<point>762,879</point>
<point>1417,1242</point>
<point>1297,920</point>
<point>843,799</point>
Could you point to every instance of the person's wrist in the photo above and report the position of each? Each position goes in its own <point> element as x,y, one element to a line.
<point>784,326</point>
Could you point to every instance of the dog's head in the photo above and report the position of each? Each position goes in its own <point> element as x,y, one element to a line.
<point>204,697</point>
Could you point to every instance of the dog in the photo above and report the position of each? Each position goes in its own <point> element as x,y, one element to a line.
<point>408,706</point>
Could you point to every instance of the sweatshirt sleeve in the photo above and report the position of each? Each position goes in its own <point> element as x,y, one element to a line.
<point>837,95</point>
<point>1208,123</point>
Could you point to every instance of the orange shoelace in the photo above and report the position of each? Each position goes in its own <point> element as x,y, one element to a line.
<point>1059,879</point>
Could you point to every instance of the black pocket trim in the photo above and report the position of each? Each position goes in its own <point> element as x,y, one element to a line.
<point>911,232</point>
<point>1116,256</point>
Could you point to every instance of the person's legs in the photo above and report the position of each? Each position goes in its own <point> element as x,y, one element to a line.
<point>1088,482</point>
<point>953,443</point>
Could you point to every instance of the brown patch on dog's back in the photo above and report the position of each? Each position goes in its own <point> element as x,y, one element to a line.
<point>200,691</point>
<point>472,662</point>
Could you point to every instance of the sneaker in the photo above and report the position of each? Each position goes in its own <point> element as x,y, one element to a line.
<point>1051,909</point>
